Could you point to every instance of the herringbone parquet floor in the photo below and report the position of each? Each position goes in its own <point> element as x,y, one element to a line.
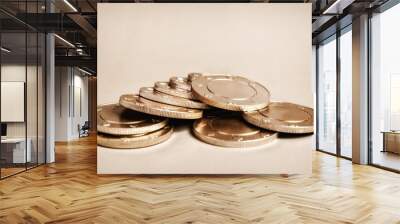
<point>69,191</point>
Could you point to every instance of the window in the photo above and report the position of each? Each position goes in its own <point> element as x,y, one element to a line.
<point>327,96</point>
<point>346,93</point>
<point>385,89</point>
<point>22,77</point>
<point>335,74</point>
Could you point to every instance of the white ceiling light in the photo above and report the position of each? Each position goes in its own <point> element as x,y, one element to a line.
<point>64,40</point>
<point>79,51</point>
<point>84,71</point>
<point>70,5</point>
<point>337,7</point>
<point>5,50</point>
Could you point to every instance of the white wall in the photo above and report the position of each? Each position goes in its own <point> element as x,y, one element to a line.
<point>80,112</point>
<point>67,115</point>
<point>151,42</point>
<point>12,73</point>
<point>61,105</point>
<point>34,126</point>
<point>12,101</point>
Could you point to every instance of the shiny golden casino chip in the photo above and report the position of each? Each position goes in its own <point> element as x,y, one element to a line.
<point>137,103</point>
<point>180,83</point>
<point>135,141</point>
<point>228,129</point>
<point>116,120</point>
<point>283,117</point>
<point>154,95</point>
<point>193,75</point>
<point>164,87</point>
<point>230,92</point>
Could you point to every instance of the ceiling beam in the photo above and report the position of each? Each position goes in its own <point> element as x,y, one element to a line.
<point>337,7</point>
<point>86,27</point>
<point>82,61</point>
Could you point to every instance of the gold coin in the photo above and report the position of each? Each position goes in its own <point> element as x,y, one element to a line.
<point>230,92</point>
<point>180,83</point>
<point>283,117</point>
<point>193,75</point>
<point>116,120</point>
<point>151,94</point>
<point>134,102</point>
<point>135,141</point>
<point>230,130</point>
<point>165,88</point>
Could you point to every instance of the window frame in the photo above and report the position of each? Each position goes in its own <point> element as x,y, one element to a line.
<point>381,9</point>
<point>334,37</point>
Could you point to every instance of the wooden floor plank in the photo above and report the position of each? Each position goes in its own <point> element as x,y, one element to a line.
<point>70,191</point>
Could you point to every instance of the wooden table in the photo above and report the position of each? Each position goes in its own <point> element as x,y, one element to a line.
<point>16,152</point>
<point>391,141</point>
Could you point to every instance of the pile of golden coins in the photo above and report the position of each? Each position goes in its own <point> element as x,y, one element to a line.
<point>229,111</point>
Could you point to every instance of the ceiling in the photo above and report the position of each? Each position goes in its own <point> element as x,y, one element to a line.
<point>76,22</point>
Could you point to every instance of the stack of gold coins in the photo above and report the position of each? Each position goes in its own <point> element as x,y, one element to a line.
<point>180,83</point>
<point>178,86</point>
<point>141,104</point>
<point>173,99</point>
<point>151,94</point>
<point>283,117</point>
<point>237,113</point>
<point>230,92</point>
<point>122,128</point>
<point>228,129</point>
<point>236,93</point>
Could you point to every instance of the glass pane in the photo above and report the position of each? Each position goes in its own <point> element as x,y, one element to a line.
<point>31,100</point>
<point>41,98</point>
<point>385,114</point>
<point>22,88</point>
<point>346,94</point>
<point>13,87</point>
<point>327,96</point>
<point>31,88</point>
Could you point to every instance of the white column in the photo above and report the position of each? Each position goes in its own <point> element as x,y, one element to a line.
<point>63,102</point>
<point>50,98</point>
<point>360,90</point>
